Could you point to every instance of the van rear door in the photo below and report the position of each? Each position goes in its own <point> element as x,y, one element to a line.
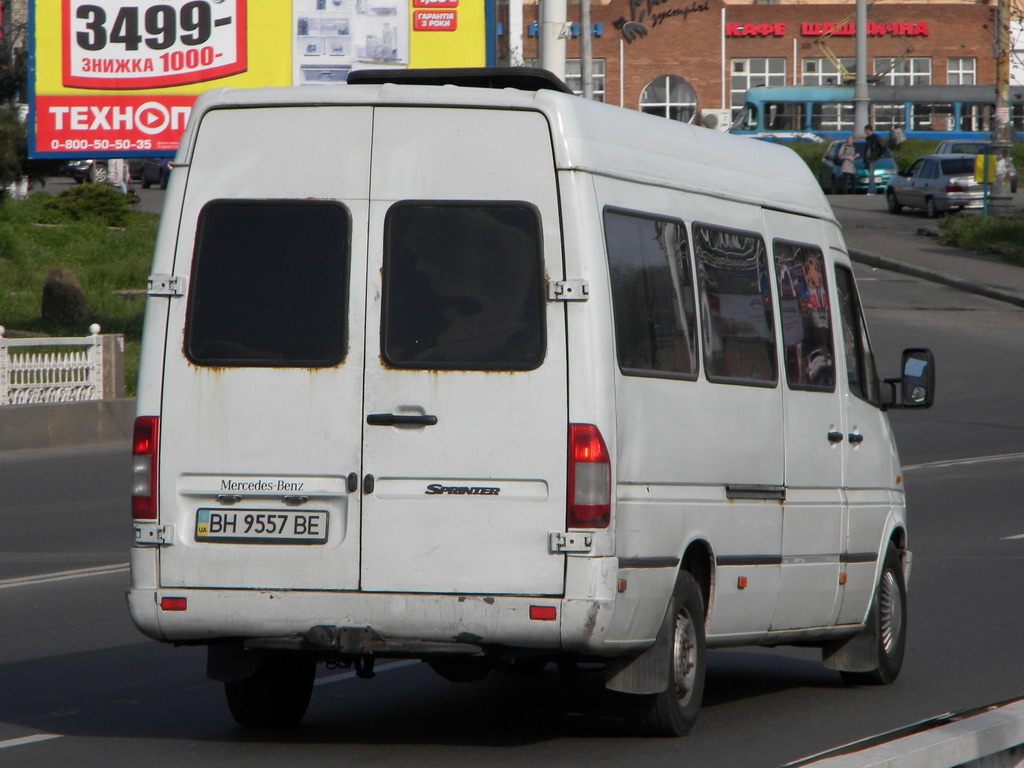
<point>262,396</point>
<point>370,392</point>
<point>465,390</point>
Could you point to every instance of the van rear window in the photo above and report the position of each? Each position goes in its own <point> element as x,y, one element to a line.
<point>463,286</point>
<point>269,284</point>
<point>652,295</point>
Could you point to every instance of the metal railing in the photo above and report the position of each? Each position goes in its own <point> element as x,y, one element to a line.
<point>61,370</point>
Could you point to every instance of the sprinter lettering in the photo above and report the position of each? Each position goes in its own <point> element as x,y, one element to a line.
<point>460,490</point>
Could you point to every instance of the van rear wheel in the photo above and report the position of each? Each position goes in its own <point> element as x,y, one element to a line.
<point>673,712</point>
<point>277,695</point>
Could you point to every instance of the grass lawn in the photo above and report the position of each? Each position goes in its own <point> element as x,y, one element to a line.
<point>74,229</point>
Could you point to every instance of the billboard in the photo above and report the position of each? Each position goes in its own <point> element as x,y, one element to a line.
<point>116,78</point>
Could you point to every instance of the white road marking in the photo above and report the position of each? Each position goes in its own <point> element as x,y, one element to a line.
<point>1012,538</point>
<point>965,462</point>
<point>78,573</point>
<point>30,740</point>
<point>349,675</point>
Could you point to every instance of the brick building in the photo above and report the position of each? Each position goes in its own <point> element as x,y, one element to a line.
<point>685,58</point>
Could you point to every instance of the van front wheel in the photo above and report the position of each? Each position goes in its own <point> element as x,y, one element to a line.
<point>277,695</point>
<point>673,712</point>
<point>888,619</point>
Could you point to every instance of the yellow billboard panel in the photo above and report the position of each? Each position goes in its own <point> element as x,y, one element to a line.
<point>111,78</point>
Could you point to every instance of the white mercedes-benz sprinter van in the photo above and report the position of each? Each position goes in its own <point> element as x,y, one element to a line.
<point>457,366</point>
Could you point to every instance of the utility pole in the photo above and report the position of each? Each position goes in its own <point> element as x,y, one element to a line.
<point>553,15</point>
<point>586,51</point>
<point>860,87</point>
<point>515,33</point>
<point>1001,201</point>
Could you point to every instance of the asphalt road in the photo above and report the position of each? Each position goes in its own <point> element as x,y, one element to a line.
<point>80,687</point>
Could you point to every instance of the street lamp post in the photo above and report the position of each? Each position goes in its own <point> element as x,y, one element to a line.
<point>1001,200</point>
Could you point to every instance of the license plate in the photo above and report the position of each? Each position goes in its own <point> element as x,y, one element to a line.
<point>261,526</point>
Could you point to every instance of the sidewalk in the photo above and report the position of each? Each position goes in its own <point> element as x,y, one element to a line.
<point>880,239</point>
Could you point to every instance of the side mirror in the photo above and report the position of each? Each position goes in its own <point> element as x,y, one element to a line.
<point>916,386</point>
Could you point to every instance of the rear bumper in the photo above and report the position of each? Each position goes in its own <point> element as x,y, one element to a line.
<point>389,624</point>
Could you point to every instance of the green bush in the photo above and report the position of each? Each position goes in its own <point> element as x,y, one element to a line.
<point>1002,236</point>
<point>87,201</point>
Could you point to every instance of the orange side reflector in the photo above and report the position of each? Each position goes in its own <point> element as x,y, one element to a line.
<point>741,582</point>
<point>173,603</point>
<point>842,578</point>
<point>543,612</point>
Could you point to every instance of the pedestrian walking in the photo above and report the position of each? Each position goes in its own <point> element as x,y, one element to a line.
<point>873,151</point>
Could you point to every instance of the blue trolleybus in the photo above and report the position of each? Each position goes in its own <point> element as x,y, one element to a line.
<point>822,113</point>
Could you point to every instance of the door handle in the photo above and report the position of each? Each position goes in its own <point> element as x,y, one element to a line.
<point>835,437</point>
<point>855,438</point>
<point>400,419</point>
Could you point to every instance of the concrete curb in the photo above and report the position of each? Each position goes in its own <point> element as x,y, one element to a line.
<point>62,425</point>
<point>992,739</point>
<point>924,273</point>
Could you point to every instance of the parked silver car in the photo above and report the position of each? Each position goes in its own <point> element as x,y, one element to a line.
<point>937,183</point>
<point>973,147</point>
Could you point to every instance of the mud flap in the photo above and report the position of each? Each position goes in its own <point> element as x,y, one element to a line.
<point>645,673</point>
<point>854,654</point>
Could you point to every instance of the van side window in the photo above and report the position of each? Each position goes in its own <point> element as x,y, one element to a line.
<point>736,306</point>
<point>269,284</point>
<point>806,316</point>
<point>652,294</point>
<point>860,361</point>
<point>463,286</point>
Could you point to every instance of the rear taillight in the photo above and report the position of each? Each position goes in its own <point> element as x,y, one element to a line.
<point>144,463</point>
<point>951,187</point>
<point>590,479</point>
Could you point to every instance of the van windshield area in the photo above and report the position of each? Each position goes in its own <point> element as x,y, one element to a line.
<point>269,284</point>
<point>463,287</point>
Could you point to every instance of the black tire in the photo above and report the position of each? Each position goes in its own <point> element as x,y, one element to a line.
<point>888,618</point>
<point>146,183</point>
<point>673,712</point>
<point>277,696</point>
<point>892,202</point>
<point>929,208</point>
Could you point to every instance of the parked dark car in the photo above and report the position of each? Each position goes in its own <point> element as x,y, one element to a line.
<point>92,171</point>
<point>155,171</point>
<point>973,147</point>
<point>831,177</point>
<point>937,183</point>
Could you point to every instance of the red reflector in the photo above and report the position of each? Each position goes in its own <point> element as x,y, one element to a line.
<point>173,603</point>
<point>144,467</point>
<point>543,613</point>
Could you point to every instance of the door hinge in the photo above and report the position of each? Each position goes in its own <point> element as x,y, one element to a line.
<point>560,542</point>
<point>153,534</point>
<point>166,285</point>
<point>568,290</point>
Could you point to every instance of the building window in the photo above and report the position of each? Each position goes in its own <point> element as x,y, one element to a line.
<point>824,72</point>
<point>916,71</point>
<point>751,73</point>
<point>574,77</point>
<point>670,97</point>
<point>961,70</point>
